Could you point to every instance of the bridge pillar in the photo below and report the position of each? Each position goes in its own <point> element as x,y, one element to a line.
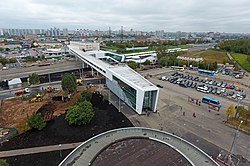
<point>49,78</point>
<point>92,71</point>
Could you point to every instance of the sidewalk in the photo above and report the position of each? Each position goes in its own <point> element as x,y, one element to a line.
<point>42,149</point>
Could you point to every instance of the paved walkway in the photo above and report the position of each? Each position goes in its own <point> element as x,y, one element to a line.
<point>34,150</point>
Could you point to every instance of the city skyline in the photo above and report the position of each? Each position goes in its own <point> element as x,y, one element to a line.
<point>192,16</point>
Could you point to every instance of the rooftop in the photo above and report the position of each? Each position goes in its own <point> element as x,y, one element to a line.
<point>131,76</point>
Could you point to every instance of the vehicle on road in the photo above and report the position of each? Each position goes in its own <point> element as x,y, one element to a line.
<point>22,91</point>
<point>209,100</point>
<point>159,86</point>
<point>177,68</point>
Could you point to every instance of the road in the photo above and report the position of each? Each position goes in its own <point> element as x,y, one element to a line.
<point>26,71</point>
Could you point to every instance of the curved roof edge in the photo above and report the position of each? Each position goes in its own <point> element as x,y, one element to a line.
<point>87,151</point>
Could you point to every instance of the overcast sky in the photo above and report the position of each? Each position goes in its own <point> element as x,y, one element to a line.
<point>148,15</point>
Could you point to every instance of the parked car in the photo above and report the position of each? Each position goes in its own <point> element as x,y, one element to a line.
<point>211,82</point>
<point>224,85</point>
<point>231,93</point>
<point>223,90</point>
<point>218,92</point>
<point>194,85</point>
<point>234,96</point>
<point>228,86</point>
<point>215,83</point>
<point>159,86</point>
<point>214,90</point>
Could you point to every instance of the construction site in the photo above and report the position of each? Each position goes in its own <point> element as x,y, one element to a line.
<point>49,102</point>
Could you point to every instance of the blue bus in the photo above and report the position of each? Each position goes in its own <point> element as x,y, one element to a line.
<point>212,101</point>
<point>206,72</point>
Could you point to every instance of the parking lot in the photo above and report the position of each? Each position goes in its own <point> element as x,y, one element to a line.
<point>205,85</point>
<point>176,114</point>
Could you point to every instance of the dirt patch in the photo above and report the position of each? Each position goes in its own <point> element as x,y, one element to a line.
<point>58,130</point>
<point>14,112</point>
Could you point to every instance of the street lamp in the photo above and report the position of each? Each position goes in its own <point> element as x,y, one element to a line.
<point>235,137</point>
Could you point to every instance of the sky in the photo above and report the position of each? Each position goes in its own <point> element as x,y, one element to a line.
<point>145,15</point>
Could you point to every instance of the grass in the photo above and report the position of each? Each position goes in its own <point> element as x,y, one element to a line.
<point>218,56</point>
<point>242,60</point>
<point>111,47</point>
<point>235,123</point>
<point>179,46</point>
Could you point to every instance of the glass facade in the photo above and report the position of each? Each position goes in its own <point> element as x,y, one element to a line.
<point>116,57</point>
<point>129,93</point>
<point>149,100</point>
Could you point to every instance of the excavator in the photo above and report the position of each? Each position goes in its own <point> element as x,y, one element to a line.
<point>38,98</point>
<point>49,89</point>
<point>79,82</point>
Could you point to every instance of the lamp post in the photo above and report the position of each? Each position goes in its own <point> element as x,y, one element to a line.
<point>234,139</point>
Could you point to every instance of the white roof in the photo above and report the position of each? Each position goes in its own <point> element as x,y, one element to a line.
<point>14,81</point>
<point>126,73</point>
<point>89,57</point>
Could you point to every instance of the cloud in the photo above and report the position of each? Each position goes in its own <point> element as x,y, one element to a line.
<point>184,15</point>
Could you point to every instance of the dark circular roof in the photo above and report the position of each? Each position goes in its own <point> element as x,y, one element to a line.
<point>139,152</point>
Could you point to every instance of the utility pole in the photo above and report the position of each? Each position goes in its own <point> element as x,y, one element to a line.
<point>234,140</point>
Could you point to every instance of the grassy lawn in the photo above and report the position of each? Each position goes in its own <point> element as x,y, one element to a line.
<point>111,47</point>
<point>210,55</point>
<point>242,60</point>
<point>179,46</point>
<point>236,123</point>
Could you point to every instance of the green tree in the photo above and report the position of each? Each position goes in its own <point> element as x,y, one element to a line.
<point>132,64</point>
<point>29,58</point>
<point>36,121</point>
<point>163,61</point>
<point>3,163</point>
<point>4,61</point>
<point>236,115</point>
<point>34,79</point>
<point>147,62</point>
<point>229,111</point>
<point>12,60</point>
<point>69,83</point>
<point>85,96</point>
<point>161,52</point>
<point>245,114</point>
<point>80,114</point>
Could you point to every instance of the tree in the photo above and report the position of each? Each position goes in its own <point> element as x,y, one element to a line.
<point>163,61</point>
<point>68,83</point>
<point>132,64</point>
<point>230,111</point>
<point>36,121</point>
<point>80,114</point>
<point>147,62</point>
<point>3,163</point>
<point>161,52</point>
<point>245,114</point>
<point>85,96</point>
<point>4,61</point>
<point>34,79</point>
<point>236,115</point>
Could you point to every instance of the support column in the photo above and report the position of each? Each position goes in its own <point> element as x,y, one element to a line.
<point>92,71</point>
<point>49,77</point>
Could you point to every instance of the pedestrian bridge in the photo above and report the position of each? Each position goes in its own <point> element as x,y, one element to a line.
<point>130,87</point>
<point>85,153</point>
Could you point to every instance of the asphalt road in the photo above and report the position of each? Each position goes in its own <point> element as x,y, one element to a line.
<point>25,71</point>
